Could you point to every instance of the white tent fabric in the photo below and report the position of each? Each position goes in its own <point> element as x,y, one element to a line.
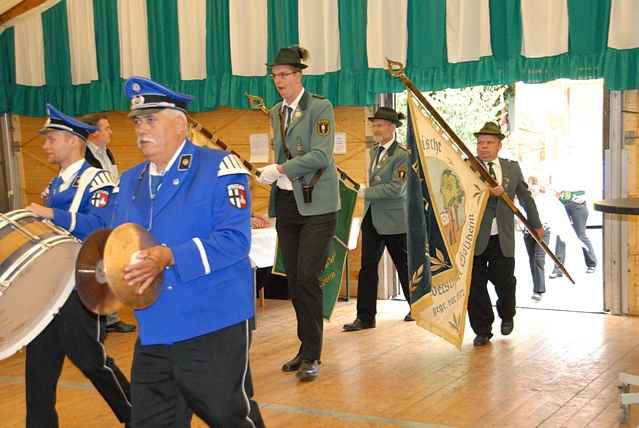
<point>319,33</point>
<point>134,42</point>
<point>84,61</point>
<point>192,35</point>
<point>248,27</point>
<point>545,28</point>
<point>387,32</point>
<point>467,30</point>
<point>623,32</point>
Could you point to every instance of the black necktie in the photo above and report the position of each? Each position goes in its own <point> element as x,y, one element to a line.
<point>289,112</point>
<point>380,149</point>
<point>491,170</point>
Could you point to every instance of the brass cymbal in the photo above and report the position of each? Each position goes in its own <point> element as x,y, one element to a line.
<point>121,247</point>
<point>90,279</point>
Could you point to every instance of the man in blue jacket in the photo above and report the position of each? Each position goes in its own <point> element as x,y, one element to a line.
<point>194,339</point>
<point>78,200</point>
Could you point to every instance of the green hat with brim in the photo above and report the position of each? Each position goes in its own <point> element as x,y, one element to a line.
<point>289,56</point>
<point>490,128</point>
<point>388,114</point>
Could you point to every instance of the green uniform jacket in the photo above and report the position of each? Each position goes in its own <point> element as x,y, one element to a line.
<point>310,138</point>
<point>386,194</point>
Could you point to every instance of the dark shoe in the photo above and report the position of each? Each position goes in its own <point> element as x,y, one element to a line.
<point>481,340</point>
<point>292,365</point>
<point>309,370</point>
<point>555,275</point>
<point>120,327</point>
<point>358,325</point>
<point>507,327</point>
<point>409,317</point>
<point>591,269</point>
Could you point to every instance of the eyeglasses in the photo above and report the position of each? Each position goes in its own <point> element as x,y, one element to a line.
<point>275,76</point>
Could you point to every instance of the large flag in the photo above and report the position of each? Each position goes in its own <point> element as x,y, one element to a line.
<point>446,202</point>
<point>331,276</point>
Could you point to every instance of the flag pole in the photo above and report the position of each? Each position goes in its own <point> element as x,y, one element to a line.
<point>396,69</point>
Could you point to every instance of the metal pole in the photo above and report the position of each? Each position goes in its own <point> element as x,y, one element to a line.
<point>9,171</point>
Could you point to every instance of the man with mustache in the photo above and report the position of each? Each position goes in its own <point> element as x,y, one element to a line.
<point>384,224</point>
<point>193,340</point>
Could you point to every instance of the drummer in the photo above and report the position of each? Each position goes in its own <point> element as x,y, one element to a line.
<point>193,342</point>
<point>77,200</point>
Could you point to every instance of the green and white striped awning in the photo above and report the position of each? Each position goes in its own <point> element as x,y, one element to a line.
<point>75,53</point>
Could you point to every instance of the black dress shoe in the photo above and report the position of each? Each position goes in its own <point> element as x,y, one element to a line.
<point>358,325</point>
<point>292,365</point>
<point>507,327</point>
<point>309,370</point>
<point>481,340</point>
<point>120,327</point>
<point>409,317</point>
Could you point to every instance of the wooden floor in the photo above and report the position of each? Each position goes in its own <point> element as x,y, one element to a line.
<point>557,369</point>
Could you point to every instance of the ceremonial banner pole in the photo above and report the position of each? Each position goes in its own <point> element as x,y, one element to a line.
<point>197,126</point>
<point>396,69</point>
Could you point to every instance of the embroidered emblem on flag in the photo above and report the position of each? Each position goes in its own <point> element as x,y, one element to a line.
<point>100,199</point>
<point>237,195</point>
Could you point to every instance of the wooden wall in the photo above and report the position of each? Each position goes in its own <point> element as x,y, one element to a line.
<point>631,145</point>
<point>234,127</point>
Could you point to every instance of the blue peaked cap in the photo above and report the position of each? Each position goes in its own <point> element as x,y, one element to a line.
<point>147,96</point>
<point>59,121</point>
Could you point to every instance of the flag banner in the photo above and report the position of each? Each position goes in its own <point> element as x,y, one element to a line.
<point>331,276</point>
<point>446,201</point>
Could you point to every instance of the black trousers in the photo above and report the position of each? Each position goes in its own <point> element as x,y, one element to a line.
<point>537,260</point>
<point>578,215</point>
<point>304,242</point>
<point>208,374</point>
<point>373,245</point>
<point>76,333</point>
<point>491,266</point>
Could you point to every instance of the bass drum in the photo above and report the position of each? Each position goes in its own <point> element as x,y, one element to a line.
<point>37,261</point>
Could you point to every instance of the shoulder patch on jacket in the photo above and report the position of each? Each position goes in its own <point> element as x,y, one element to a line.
<point>100,180</point>
<point>318,96</point>
<point>231,164</point>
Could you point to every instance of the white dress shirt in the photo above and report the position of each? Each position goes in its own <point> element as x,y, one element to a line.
<point>101,155</point>
<point>69,173</point>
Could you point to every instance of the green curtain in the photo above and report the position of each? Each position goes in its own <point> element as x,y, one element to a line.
<point>7,68</point>
<point>354,84</point>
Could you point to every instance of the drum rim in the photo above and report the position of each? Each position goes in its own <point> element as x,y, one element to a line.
<point>44,321</point>
<point>25,260</point>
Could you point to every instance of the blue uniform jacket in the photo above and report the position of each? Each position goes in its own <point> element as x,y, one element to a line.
<point>92,214</point>
<point>201,212</point>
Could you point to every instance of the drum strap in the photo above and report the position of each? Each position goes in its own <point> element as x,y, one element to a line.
<point>85,179</point>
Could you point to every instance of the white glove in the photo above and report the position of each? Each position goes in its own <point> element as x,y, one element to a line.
<point>361,192</point>
<point>269,174</point>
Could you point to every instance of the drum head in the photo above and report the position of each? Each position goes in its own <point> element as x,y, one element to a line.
<point>35,295</point>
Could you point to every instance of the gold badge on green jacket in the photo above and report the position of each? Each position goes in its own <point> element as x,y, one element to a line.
<point>323,127</point>
<point>401,173</point>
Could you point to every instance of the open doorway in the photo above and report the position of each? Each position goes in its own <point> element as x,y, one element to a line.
<point>557,136</point>
<point>555,133</point>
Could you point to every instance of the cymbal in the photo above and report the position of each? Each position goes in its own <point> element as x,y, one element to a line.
<point>120,250</point>
<point>90,279</point>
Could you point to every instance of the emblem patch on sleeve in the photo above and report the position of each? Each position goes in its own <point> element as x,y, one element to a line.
<point>401,173</point>
<point>100,199</point>
<point>237,195</point>
<point>323,127</point>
